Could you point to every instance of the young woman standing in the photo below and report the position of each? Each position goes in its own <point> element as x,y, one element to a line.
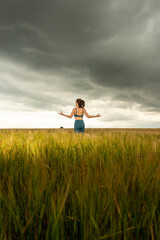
<point>78,112</point>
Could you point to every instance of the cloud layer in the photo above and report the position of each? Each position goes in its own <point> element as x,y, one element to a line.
<point>52,52</point>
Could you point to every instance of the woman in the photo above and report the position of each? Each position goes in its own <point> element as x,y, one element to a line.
<point>78,113</point>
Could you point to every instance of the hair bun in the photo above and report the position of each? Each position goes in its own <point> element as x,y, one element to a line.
<point>81,102</point>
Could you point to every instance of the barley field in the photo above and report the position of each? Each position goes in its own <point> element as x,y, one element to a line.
<point>104,184</point>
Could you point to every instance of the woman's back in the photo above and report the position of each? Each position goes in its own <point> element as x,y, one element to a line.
<point>79,113</point>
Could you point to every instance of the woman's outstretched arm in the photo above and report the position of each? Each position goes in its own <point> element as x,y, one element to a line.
<point>69,116</point>
<point>89,116</point>
<point>98,115</point>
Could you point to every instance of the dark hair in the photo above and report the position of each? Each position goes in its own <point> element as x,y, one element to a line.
<point>80,102</point>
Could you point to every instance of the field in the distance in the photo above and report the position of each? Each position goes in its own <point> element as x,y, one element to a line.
<point>104,184</point>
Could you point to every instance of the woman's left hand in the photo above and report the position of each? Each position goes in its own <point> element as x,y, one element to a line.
<point>60,113</point>
<point>98,115</point>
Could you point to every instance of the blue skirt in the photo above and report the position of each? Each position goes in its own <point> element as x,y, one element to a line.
<point>79,126</point>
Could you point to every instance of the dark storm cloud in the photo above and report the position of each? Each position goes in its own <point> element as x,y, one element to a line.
<point>104,44</point>
<point>146,103</point>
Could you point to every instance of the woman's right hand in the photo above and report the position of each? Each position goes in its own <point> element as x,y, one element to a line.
<point>98,115</point>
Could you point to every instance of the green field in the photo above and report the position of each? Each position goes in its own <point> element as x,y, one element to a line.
<point>55,184</point>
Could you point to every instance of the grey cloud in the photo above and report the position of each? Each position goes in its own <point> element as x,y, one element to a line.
<point>93,45</point>
<point>111,117</point>
<point>146,104</point>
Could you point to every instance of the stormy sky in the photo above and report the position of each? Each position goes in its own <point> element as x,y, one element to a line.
<point>106,52</point>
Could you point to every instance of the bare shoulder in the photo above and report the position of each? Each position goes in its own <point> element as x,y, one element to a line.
<point>85,112</point>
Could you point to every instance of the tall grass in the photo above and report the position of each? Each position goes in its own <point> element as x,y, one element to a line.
<point>104,184</point>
